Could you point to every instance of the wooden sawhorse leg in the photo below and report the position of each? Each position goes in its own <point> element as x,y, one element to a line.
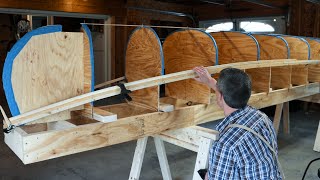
<point>139,155</point>
<point>282,108</point>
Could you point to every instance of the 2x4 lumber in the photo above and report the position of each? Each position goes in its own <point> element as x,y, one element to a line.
<point>163,160</point>
<point>277,117</point>
<point>286,118</point>
<point>15,141</point>
<point>202,157</point>
<point>166,107</point>
<point>189,137</point>
<point>149,82</point>
<point>52,144</point>
<point>100,115</point>
<point>138,158</point>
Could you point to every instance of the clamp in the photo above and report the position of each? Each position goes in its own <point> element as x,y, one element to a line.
<point>124,94</point>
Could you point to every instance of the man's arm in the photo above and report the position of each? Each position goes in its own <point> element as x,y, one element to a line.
<point>205,78</point>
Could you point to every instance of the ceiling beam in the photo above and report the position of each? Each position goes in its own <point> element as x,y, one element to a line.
<point>262,3</point>
<point>212,2</point>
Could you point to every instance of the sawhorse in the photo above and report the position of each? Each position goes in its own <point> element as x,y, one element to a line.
<point>195,138</point>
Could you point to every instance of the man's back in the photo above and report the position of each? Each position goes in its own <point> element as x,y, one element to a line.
<point>239,154</point>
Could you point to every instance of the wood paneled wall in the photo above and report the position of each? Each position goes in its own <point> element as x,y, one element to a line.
<point>304,18</point>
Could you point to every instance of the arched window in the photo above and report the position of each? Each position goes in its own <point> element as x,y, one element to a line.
<point>249,26</point>
<point>227,26</point>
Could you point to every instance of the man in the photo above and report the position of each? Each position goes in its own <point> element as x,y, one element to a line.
<point>247,147</point>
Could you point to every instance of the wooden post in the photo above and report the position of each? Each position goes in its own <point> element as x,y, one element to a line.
<point>286,118</point>
<point>202,157</point>
<point>162,156</point>
<point>138,158</point>
<point>277,117</point>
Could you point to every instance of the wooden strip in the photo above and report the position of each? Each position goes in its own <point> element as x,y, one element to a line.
<point>109,82</point>
<point>143,60</point>
<point>298,50</point>
<point>184,50</point>
<point>51,144</point>
<point>178,142</point>
<point>314,75</point>
<point>108,92</point>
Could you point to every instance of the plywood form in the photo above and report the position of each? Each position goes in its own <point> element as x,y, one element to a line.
<point>314,70</point>
<point>39,68</point>
<point>273,47</point>
<point>136,85</point>
<point>183,50</point>
<point>299,50</point>
<point>87,67</point>
<point>241,47</point>
<point>143,60</point>
<point>55,143</point>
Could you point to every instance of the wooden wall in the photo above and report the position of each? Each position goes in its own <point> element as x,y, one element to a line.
<point>304,19</point>
<point>140,12</point>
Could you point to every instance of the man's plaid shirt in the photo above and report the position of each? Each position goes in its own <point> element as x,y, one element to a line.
<point>239,154</point>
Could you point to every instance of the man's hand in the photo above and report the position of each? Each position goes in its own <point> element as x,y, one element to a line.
<point>204,77</point>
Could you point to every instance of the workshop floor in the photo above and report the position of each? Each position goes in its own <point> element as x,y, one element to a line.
<point>113,163</point>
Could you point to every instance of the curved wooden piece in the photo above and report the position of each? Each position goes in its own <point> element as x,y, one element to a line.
<point>144,59</point>
<point>241,47</point>
<point>299,49</point>
<point>314,70</point>
<point>275,47</point>
<point>183,50</point>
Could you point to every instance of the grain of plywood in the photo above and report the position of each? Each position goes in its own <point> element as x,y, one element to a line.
<point>314,70</point>
<point>299,50</point>
<point>235,47</point>
<point>241,47</point>
<point>143,60</point>
<point>272,47</point>
<point>183,50</point>
<point>48,69</point>
<point>87,68</point>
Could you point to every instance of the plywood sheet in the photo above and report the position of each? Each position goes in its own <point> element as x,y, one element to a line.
<point>241,47</point>
<point>183,50</point>
<point>48,69</point>
<point>299,50</point>
<point>273,47</point>
<point>144,60</point>
<point>314,70</point>
<point>235,47</point>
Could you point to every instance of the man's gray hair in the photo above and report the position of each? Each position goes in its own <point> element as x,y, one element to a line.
<point>235,87</point>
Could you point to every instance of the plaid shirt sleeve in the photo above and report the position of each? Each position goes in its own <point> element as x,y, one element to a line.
<point>221,162</point>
